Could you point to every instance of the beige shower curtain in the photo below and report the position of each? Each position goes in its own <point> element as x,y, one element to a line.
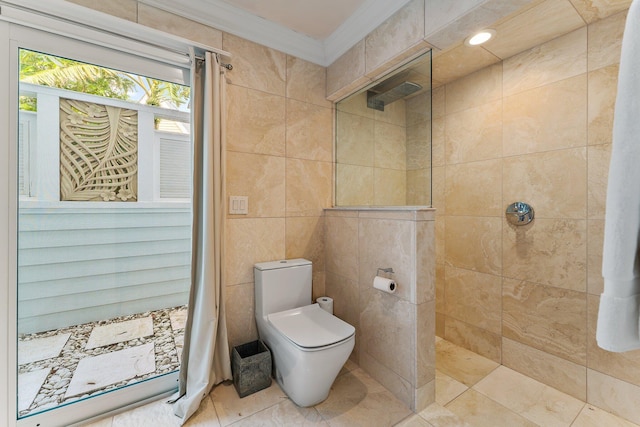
<point>205,356</point>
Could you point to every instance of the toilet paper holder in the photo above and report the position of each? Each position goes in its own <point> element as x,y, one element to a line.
<point>386,270</point>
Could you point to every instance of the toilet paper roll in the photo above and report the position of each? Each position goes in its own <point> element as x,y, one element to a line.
<point>384,284</point>
<point>326,304</point>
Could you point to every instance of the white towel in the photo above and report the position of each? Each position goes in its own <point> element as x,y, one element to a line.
<point>618,316</point>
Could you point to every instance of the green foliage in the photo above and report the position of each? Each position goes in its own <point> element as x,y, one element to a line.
<point>49,70</point>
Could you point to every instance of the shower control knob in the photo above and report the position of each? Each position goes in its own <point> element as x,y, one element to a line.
<point>519,213</point>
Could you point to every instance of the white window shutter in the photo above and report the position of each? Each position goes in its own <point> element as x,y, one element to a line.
<point>175,167</point>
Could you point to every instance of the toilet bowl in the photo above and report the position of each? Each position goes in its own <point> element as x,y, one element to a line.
<point>309,345</point>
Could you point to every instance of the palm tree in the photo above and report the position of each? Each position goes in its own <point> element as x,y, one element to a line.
<point>48,70</point>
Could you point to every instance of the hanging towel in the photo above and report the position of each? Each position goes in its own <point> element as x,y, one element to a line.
<point>619,315</point>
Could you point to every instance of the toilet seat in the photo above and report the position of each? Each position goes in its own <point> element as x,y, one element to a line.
<point>310,327</point>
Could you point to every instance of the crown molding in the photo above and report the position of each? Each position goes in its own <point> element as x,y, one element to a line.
<point>233,20</point>
<point>365,19</point>
<point>225,17</point>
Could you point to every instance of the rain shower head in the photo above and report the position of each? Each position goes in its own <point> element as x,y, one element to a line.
<point>377,101</point>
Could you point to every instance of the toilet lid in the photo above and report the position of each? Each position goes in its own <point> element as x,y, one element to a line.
<point>310,326</point>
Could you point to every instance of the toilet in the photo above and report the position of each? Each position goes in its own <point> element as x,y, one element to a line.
<point>309,345</point>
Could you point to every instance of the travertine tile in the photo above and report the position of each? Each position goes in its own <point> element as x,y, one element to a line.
<point>387,325</point>
<point>308,188</point>
<point>401,31</point>
<point>595,241</point>
<point>318,284</point>
<point>461,61</point>
<point>341,246</point>
<point>418,108</point>
<point>546,318</point>
<point>474,187</point>
<point>418,187</point>
<point>474,134</point>
<point>356,104</point>
<point>554,182</point>
<point>394,113</point>
<point>531,399</point>
<point>355,136</point>
<point>603,88</point>
<point>399,387</point>
<point>481,411</point>
<point>592,10</point>
<point>125,9</point>
<point>230,408</point>
<point>97,372</point>
<point>345,293</point>
<point>388,243</point>
<point>425,260</point>
<point>259,177</point>
<point>425,350</point>
<point>624,366</point>
<point>304,238</point>
<point>249,241</point>
<point>473,243</point>
<point>309,131</point>
<point>418,147</point>
<point>347,72</point>
<point>550,252</point>
<point>438,102</point>
<point>447,388</point>
<point>599,157</point>
<point>613,395</point>
<point>354,185</point>
<point>440,325</point>
<point>438,142</point>
<point>554,371</point>
<point>160,413</point>
<point>440,288</point>
<point>174,24</point>
<point>439,416</point>
<point>120,332</point>
<point>282,414</point>
<point>306,81</point>
<point>605,39</point>
<point>413,421</point>
<point>255,66</point>
<point>440,241</point>
<point>356,399</point>
<point>545,21</point>
<point>438,190</point>
<point>479,88</point>
<point>592,416</point>
<point>389,187</point>
<point>41,348</point>
<point>390,146</point>
<point>241,324</point>
<point>255,121</point>
<point>556,60</point>
<point>474,298</point>
<point>480,341</point>
<point>550,117</point>
<point>461,364</point>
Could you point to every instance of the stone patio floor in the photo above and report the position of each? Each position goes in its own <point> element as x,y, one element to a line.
<point>60,366</point>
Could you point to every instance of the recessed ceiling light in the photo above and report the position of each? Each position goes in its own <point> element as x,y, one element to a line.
<point>480,37</point>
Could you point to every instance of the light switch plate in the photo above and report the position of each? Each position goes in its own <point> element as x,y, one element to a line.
<point>238,205</point>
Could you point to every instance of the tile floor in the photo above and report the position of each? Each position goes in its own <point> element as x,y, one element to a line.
<point>470,391</point>
<point>59,366</point>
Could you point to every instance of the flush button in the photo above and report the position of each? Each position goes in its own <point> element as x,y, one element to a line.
<point>238,205</point>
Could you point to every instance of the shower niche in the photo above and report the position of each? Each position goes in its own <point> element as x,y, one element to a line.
<point>383,140</point>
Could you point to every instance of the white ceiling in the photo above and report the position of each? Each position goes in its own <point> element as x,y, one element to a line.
<point>316,19</point>
<point>319,31</point>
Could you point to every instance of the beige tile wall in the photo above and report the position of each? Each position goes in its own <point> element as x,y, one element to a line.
<point>396,332</point>
<point>535,128</point>
<point>279,142</point>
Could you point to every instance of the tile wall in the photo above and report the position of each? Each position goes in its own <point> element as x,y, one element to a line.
<point>395,333</point>
<point>536,128</point>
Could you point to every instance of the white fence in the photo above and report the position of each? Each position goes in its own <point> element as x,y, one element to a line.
<point>87,261</point>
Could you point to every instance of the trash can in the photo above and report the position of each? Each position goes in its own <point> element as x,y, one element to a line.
<point>251,367</point>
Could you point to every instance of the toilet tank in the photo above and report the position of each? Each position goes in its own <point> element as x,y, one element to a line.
<point>282,285</point>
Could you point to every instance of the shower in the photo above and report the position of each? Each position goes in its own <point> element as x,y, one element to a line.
<point>377,100</point>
